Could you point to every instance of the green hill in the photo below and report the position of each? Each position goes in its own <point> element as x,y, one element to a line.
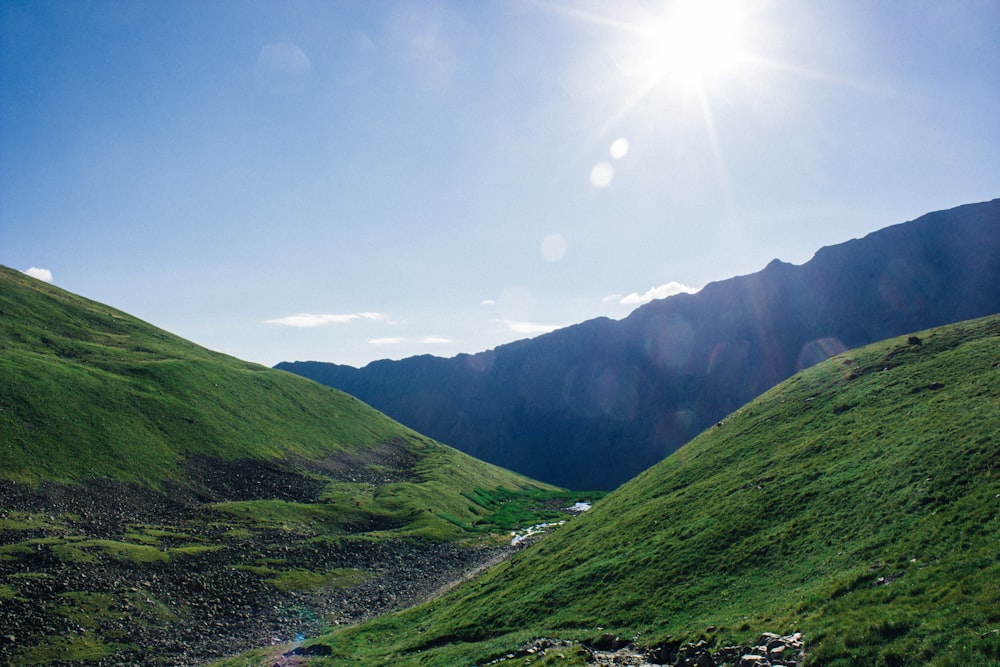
<point>133,463</point>
<point>857,503</point>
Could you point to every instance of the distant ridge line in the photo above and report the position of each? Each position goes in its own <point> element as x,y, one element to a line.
<point>591,405</point>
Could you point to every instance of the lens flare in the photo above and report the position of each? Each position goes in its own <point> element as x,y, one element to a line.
<point>553,247</point>
<point>601,175</point>
<point>619,148</point>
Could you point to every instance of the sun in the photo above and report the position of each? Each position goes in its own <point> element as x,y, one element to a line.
<point>664,58</point>
<point>693,42</point>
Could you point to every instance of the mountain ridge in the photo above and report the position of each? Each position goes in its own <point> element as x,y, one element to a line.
<point>621,395</point>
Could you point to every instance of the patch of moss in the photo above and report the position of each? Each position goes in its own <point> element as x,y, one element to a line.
<point>135,553</point>
<point>192,549</point>
<point>81,647</point>
<point>10,593</point>
<point>149,608</point>
<point>88,609</point>
<point>303,581</point>
<point>18,520</point>
<point>262,570</point>
<point>12,552</point>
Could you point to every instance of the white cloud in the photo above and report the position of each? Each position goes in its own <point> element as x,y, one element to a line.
<point>310,320</point>
<point>529,328</point>
<point>436,340</point>
<point>661,292</point>
<point>487,302</point>
<point>40,274</point>
<point>399,340</point>
<point>389,340</point>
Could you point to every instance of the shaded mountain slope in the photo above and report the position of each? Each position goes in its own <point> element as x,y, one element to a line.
<point>162,504</point>
<point>857,502</point>
<point>592,405</point>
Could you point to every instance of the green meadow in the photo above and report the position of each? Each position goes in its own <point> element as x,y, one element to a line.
<point>127,452</point>
<point>858,503</point>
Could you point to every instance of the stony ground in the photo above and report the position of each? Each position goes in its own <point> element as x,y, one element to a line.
<point>770,650</point>
<point>69,590</point>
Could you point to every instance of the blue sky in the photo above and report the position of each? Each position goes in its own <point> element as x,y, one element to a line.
<point>350,181</point>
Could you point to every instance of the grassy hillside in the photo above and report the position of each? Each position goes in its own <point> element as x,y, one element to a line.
<point>857,502</point>
<point>90,392</point>
<point>132,460</point>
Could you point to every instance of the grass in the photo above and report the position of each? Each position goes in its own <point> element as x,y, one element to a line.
<point>303,581</point>
<point>857,503</point>
<point>89,393</point>
<point>7,592</point>
<point>88,609</point>
<point>76,648</point>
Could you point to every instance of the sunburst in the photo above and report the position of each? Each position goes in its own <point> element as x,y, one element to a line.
<point>692,43</point>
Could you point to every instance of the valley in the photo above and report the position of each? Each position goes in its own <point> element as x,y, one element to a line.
<point>164,504</point>
<point>161,503</point>
<point>855,503</point>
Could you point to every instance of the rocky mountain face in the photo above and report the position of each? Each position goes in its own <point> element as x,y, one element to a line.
<point>591,405</point>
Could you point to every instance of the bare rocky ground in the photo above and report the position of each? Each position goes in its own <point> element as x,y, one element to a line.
<point>770,650</point>
<point>59,601</point>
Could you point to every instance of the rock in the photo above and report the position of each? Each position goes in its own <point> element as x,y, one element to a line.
<point>313,650</point>
<point>610,642</point>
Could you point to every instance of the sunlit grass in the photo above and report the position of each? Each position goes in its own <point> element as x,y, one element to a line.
<point>95,401</point>
<point>856,503</point>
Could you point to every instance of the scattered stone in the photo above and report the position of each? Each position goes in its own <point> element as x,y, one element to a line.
<point>771,650</point>
<point>201,606</point>
<point>313,650</point>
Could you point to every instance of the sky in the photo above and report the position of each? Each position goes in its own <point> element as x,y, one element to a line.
<point>348,181</point>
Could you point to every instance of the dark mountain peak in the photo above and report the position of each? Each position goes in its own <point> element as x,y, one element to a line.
<point>777,265</point>
<point>591,405</point>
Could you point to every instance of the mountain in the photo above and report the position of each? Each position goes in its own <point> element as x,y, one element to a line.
<point>164,504</point>
<point>855,503</point>
<point>592,405</point>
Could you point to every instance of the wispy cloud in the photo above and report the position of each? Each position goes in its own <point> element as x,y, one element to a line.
<point>529,328</point>
<point>660,292</point>
<point>399,340</point>
<point>40,274</point>
<point>388,340</point>
<point>310,320</point>
<point>435,340</point>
